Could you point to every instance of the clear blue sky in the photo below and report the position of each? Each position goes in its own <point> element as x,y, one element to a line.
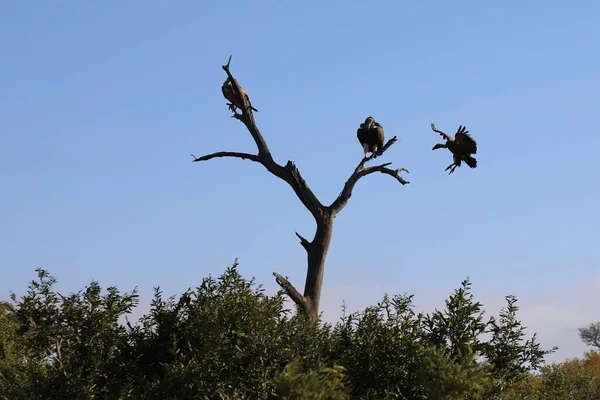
<point>101,104</point>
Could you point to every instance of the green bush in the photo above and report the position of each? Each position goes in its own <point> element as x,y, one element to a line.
<point>382,350</point>
<point>227,339</point>
<point>224,339</point>
<point>321,384</point>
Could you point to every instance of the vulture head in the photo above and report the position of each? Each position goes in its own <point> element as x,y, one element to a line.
<point>369,122</point>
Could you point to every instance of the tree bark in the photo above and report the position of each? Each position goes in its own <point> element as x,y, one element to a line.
<point>316,249</point>
<point>317,253</point>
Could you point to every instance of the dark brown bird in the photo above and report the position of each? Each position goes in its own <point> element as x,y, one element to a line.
<point>371,136</point>
<point>236,101</point>
<point>461,146</point>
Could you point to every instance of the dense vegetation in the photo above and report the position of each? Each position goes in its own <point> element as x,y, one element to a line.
<point>227,339</point>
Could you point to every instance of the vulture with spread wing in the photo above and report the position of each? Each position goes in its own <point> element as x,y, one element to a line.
<point>461,146</point>
<point>371,135</point>
<point>236,101</point>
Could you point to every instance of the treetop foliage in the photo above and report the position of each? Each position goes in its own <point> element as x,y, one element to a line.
<point>228,339</point>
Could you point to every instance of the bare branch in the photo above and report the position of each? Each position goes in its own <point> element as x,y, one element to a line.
<point>386,146</point>
<point>226,67</point>
<point>361,171</point>
<point>289,173</point>
<point>243,156</point>
<point>305,243</point>
<point>247,117</point>
<point>237,89</point>
<point>394,173</point>
<point>444,135</point>
<point>379,153</point>
<point>291,291</point>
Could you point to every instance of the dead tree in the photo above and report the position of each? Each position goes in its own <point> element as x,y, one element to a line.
<point>317,248</point>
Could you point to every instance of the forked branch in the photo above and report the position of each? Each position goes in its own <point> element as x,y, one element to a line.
<point>361,171</point>
<point>386,146</point>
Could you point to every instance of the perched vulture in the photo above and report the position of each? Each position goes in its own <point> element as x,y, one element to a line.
<point>236,101</point>
<point>370,135</point>
<point>461,146</point>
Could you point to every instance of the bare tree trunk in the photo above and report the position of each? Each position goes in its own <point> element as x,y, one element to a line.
<point>324,215</point>
<point>317,253</point>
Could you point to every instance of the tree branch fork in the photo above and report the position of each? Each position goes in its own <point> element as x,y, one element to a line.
<point>291,175</point>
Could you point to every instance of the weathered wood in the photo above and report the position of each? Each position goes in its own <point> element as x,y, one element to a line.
<point>291,291</point>
<point>316,249</point>
<point>361,171</point>
<point>316,255</point>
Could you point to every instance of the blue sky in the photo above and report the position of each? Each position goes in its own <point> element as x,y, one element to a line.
<point>102,104</point>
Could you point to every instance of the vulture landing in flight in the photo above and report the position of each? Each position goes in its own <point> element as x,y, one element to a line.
<point>236,101</point>
<point>461,146</point>
<point>370,135</point>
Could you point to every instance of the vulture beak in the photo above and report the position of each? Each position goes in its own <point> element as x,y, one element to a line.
<point>439,146</point>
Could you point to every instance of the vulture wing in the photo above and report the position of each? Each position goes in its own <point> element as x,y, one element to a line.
<point>379,134</point>
<point>229,94</point>
<point>360,133</point>
<point>227,90</point>
<point>465,141</point>
<point>245,94</point>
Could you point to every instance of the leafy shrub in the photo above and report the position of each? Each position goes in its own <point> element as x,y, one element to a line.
<point>382,350</point>
<point>321,384</point>
<point>227,339</point>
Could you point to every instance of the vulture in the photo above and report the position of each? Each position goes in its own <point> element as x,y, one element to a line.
<point>236,101</point>
<point>370,136</point>
<point>461,146</point>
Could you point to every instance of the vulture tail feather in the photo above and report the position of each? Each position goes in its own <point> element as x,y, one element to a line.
<point>471,162</point>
